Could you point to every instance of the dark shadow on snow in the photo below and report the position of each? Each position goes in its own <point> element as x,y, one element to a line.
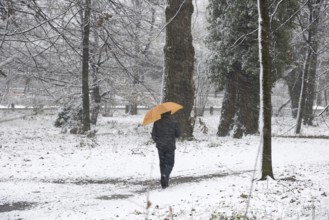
<point>115,197</point>
<point>153,184</point>
<point>174,180</point>
<point>8,207</point>
<point>143,186</point>
<point>177,180</point>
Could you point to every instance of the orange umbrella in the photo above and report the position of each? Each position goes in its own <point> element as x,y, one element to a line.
<point>154,113</point>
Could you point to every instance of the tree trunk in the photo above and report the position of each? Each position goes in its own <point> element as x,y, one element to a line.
<point>325,98</point>
<point>265,84</point>
<point>240,107</point>
<point>314,8</point>
<point>136,68</point>
<point>202,89</point>
<point>294,82</point>
<point>97,105</point>
<point>95,65</point>
<point>302,96</point>
<point>85,67</point>
<point>97,98</point>
<point>248,103</point>
<point>305,110</point>
<point>310,92</point>
<point>228,106</point>
<point>178,85</point>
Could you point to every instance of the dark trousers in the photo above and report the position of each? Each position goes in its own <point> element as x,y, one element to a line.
<point>167,161</point>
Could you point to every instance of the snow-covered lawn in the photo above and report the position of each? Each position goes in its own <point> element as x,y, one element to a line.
<point>45,174</point>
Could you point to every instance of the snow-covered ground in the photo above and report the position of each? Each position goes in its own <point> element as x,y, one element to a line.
<point>45,174</point>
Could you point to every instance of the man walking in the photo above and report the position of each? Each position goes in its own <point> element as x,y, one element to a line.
<point>164,133</point>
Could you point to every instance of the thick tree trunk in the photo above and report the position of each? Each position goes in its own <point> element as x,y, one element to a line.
<point>249,103</point>
<point>240,107</point>
<point>178,85</point>
<point>228,106</point>
<point>265,84</point>
<point>85,67</point>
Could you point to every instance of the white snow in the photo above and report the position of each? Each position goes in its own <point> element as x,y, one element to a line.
<point>112,176</point>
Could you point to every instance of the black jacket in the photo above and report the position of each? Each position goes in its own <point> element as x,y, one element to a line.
<point>164,133</point>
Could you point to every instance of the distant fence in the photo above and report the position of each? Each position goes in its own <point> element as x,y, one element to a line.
<point>29,110</point>
<point>110,110</point>
<point>106,112</point>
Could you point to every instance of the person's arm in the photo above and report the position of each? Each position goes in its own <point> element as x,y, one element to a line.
<point>154,133</point>
<point>177,130</point>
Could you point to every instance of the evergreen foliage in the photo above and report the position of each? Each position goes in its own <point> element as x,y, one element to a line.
<point>234,60</point>
<point>233,37</point>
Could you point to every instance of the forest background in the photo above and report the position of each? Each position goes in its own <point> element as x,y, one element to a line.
<point>88,58</point>
<point>43,61</point>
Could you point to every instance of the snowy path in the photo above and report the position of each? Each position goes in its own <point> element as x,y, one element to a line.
<point>42,196</point>
<point>131,185</point>
<point>127,198</point>
<point>45,174</point>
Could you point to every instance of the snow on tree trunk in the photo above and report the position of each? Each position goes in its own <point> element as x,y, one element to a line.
<point>97,104</point>
<point>96,96</point>
<point>265,89</point>
<point>85,67</point>
<point>178,85</point>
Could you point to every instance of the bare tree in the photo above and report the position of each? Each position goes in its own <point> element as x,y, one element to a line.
<point>307,93</point>
<point>46,36</point>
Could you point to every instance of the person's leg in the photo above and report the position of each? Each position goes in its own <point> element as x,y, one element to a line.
<point>169,161</point>
<point>162,159</point>
<point>162,163</point>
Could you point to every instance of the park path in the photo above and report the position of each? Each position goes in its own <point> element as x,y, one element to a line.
<point>129,184</point>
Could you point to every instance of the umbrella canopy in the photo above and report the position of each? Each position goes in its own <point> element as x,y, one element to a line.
<point>154,113</point>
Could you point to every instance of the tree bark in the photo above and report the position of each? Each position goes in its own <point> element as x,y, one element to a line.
<point>85,67</point>
<point>178,85</point>
<point>136,68</point>
<point>96,96</point>
<point>265,84</point>
<point>95,65</point>
<point>294,82</point>
<point>248,103</point>
<point>314,8</point>
<point>228,106</point>
<point>302,97</point>
<point>325,97</point>
<point>240,107</point>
